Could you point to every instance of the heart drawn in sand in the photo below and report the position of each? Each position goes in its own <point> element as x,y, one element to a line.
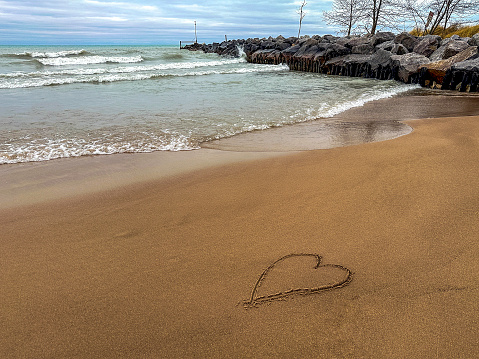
<point>300,273</point>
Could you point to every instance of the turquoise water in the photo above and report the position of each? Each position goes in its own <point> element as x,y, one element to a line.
<point>66,101</point>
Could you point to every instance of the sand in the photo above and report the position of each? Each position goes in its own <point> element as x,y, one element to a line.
<point>162,267</point>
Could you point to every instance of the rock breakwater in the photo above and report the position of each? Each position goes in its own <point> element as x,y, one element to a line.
<point>450,64</point>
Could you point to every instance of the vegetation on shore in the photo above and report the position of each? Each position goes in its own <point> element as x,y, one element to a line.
<point>462,31</point>
<point>369,16</point>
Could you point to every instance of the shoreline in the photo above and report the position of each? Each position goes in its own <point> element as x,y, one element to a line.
<point>160,266</point>
<point>37,182</point>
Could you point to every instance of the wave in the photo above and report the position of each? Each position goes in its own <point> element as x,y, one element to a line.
<point>49,149</point>
<point>172,57</point>
<point>123,69</point>
<point>33,55</point>
<point>88,60</point>
<point>325,112</point>
<point>22,80</point>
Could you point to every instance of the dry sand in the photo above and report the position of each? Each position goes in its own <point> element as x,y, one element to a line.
<point>160,268</point>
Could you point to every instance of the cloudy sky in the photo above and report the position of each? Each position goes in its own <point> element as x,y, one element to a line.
<point>153,21</point>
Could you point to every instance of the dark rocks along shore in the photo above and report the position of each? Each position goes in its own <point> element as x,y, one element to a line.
<point>450,64</point>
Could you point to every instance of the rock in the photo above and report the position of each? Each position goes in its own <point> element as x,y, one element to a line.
<point>249,48</point>
<point>382,56</point>
<point>268,44</point>
<point>347,40</point>
<point>399,49</point>
<point>307,52</point>
<point>468,65</point>
<point>330,38</point>
<point>281,45</point>
<point>427,45</point>
<point>407,66</point>
<point>291,40</point>
<point>407,40</point>
<point>336,50</point>
<point>356,65</point>
<point>436,71</point>
<point>305,46</point>
<point>452,47</point>
<point>381,37</point>
<point>386,45</point>
<point>392,47</point>
<point>303,39</point>
<point>363,49</point>
<point>463,76</point>
<point>358,41</point>
<point>474,41</point>
<point>289,52</point>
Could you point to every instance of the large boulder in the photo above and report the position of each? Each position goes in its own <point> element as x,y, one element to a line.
<point>381,37</point>
<point>386,45</point>
<point>305,46</point>
<point>379,65</point>
<point>336,50</point>
<point>363,49</point>
<point>393,47</point>
<point>474,41</point>
<point>468,65</point>
<point>436,71</point>
<point>290,51</point>
<point>407,40</point>
<point>330,38</point>
<point>267,44</point>
<point>281,45</point>
<point>451,48</point>
<point>307,53</point>
<point>356,41</point>
<point>463,76</point>
<point>291,40</point>
<point>427,45</point>
<point>407,66</point>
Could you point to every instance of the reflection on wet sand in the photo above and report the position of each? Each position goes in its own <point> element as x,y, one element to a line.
<point>313,135</point>
<point>369,123</point>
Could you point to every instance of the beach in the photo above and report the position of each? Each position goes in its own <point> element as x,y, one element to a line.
<point>153,256</point>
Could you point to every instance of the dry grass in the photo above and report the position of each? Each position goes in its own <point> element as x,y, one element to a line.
<point>462,31</point>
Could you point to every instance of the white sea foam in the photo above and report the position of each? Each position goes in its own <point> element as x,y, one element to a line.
<point>56,54</point>
<point>331,109</point>
<point>88,60</point>
<point>47,149</point>
<point>39,79</point>
<point>325,111</point>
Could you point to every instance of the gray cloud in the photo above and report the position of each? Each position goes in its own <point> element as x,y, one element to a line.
<point>151,21</point>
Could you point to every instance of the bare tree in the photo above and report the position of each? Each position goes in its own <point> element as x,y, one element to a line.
<point>383,13</point>
<point>301,14</point>
<point>443,11</point>
<point>346,14</point>
<point>447,10</point>
<point>417,12</point>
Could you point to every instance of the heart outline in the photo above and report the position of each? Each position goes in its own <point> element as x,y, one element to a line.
<point>255,300</point>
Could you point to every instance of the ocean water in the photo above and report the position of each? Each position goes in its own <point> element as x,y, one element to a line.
<point>68,101</point>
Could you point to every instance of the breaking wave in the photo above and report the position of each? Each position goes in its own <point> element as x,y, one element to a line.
<point>37,54</point>
<point>88,60</point>
<point>132,73</point>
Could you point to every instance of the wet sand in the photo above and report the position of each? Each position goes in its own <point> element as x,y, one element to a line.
<point>162,267</point>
